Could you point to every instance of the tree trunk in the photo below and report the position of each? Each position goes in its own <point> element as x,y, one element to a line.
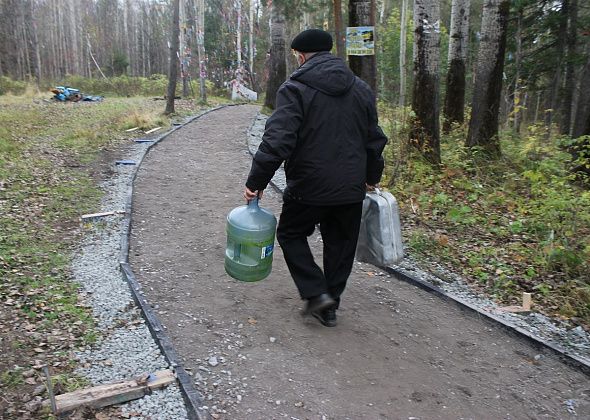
<point>35,40</point>
<point>277,65</point>
<point>483,126</point>
<point>73,37</point>
<point>556,82</point>
<point>251,48</point>
<point>516,96</point>
<point>402,53</point>
<point>338,32</point>
<point>425,131</point>
<point>173,74</point>
<point>570,79</point>
<point>458,46</point>
<point>182,49</point>
<point>362,13</point>
<point>580,126</point>
<point>201,49</point>
<point>240,68</point>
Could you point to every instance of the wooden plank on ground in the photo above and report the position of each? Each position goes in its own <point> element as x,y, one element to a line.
<point>93,216</point>
<point>132,129</point>
<point>152,130</point>
<point>114,393</point>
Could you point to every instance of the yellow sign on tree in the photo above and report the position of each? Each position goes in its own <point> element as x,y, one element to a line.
<point>360,40</point>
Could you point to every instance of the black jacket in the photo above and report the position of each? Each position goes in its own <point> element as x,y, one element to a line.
<point>325,129</point>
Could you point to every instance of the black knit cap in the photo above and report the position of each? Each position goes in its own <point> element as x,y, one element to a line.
<point>312,40</point>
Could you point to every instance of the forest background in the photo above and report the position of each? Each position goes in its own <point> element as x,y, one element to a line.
<point>486,104</point>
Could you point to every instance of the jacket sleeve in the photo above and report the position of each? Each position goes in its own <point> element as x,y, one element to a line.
<point>375,144</point>
<point>279,139</point>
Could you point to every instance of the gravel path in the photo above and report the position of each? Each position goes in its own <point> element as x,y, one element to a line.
<point>398,352</point>
<point>125,348</point>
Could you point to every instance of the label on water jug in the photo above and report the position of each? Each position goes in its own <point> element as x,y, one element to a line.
<point>267,250</point>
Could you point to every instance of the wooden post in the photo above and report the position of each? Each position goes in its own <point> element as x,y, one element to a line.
<point>526,301</point>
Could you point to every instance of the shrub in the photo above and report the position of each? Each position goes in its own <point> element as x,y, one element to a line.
<point>8,85</point>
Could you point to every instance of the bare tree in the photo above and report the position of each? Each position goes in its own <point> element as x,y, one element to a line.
<point>483,126</point>
<point>425,131</point>
<point>458,46</point>
<point>173,74</point>
<point>277,66</point>
<point>362,13</point>
<point>200,5</point>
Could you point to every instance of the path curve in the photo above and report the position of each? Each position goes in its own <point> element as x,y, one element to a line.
<point>398,352</point>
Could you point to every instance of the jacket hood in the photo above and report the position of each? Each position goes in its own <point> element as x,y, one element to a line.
<point>326,73</point>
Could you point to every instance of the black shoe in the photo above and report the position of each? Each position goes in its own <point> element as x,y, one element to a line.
<point>327,317</point>
<point>319,303</point>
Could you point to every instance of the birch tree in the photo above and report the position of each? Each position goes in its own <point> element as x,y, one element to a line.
<point>402,53</point>
<point>277,65</point>
<point>458,47</point>
<point>200,12</point>
<point>425,130</point>
<point>483,126</point>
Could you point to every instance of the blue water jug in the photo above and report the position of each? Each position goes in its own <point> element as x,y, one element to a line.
<point>250,242</point>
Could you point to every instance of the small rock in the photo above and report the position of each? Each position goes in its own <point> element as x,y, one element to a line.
<point>39,390</point>
<point>28,373</point>
<point>213,361</point>
<point>33,406</point>
<point>273,339</point>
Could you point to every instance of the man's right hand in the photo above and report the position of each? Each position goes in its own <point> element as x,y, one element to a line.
<point>251,195</point>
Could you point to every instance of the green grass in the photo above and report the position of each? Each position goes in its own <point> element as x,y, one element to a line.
<point>49,156</point>
<point>520,223</point>
<point>11,379</point>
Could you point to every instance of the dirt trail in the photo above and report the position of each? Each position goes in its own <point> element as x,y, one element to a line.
<point>398,352</point>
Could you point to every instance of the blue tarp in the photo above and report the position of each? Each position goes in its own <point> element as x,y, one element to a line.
<point>66,93</point>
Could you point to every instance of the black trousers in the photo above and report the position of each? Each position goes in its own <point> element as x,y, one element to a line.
<point>339,227</point>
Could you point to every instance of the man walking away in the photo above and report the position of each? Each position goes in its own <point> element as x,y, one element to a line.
<point>325,129</point>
